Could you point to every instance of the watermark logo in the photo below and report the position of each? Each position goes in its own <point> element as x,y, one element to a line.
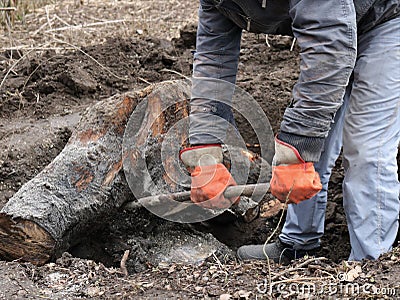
<point>329,287</point>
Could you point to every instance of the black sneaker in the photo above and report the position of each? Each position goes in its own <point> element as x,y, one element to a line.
<point>278,251</point>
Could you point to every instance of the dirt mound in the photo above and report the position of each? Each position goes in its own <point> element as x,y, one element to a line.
<point>46,84</point>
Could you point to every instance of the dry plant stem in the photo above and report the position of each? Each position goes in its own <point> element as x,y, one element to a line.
<point>61,20</point>
<point>223,269</point>
<point>303,264</point>
<point>144,80</point>
<point>14,64</point>
<point>219,262</point>
<point>310,260</point>
<point>175,72</point>
<point>266,41</point>
<point>82,26</point>
<point>39,29</point>
<point>304,280</point>
<point>293,43</point>
<point>270,237</point>
<point>48,17</point>
<point>123,263</point>
<point>8,8</point>
<point>34,71</point>
<point>24,47</point>
<point>319,268</point>
<point>91,57</point>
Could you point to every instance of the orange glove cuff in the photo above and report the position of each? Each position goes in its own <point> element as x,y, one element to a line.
<point>298,182</point>
<point>209,184</point>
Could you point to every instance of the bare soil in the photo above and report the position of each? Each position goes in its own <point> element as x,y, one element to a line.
<point>53,68</point>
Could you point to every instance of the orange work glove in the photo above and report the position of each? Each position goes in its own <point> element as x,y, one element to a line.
<point>291,176</point>
<point>209,176</point>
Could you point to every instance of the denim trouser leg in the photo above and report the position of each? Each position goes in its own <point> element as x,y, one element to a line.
<point>371,135</point>
<point>370,143</point>
<point>304,224</point>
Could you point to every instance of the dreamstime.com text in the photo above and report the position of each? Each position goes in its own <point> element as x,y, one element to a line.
<point>328,289</point>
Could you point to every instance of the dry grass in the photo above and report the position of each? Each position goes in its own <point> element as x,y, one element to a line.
<point>44,23</point>
<point>22,8</point>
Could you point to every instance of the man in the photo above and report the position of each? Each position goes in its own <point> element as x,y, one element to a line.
<point>347,94</point>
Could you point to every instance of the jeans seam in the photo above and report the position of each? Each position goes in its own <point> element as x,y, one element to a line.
<point>379,197</point>
<point>349,46</point>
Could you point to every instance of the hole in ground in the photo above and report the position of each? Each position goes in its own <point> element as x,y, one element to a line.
<point>135,232</point>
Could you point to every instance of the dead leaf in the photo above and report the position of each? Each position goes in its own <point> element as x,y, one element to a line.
<point>242,294</point>
<point>172,269</point>
<point>353,274</point>
<point>225,297</point>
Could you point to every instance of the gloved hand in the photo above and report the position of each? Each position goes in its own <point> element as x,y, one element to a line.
<point>292,176</point>
<point>210,177</point>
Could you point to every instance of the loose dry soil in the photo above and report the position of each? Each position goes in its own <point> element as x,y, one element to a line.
<point>62,58</point>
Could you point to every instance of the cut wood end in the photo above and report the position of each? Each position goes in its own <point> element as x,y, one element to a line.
<point>24,240</point>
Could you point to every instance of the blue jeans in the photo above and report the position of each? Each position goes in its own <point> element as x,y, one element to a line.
<point>368,128</point>
<point>326,33</point>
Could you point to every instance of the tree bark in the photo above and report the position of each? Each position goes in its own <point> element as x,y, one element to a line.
<point>81,186</point>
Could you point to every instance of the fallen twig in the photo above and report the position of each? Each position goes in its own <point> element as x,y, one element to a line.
<point>144,80</point>
<point>123,263</point>
<point>47,16</point>
<point>293,43</point>
<point>8,8</point>
<point>266,41</point>
<point>81,26</point>
<point>175,72</point>
<point>310,260</point>
<point>299,266</point>
<point>301,280</point>
<point>272,234</point>
<point>12,67</point>
<point>34,71</point>
<point>62,20</point>
<point>35,48</point>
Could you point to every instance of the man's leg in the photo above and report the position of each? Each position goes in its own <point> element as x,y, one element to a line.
<point>304,224</point>
<point>370,142</point>
<point>305,221</point>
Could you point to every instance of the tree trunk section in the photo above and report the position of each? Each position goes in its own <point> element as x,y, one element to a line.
<point>81,186</point>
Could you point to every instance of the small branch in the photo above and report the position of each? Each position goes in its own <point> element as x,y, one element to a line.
<point>35,48</point>
<point>12,67</point>
<point>270,237</point>
<point>293,43</point>
<point>47,16</point>
<point>61,20</point>
<point>175,72</point>
<point>81,26</point>
<point>266,41</point>
<point>144,80</point>
<point>310,260</point>
<point>8,8</point>
<point>302,280</point>
<point>299,266</point>
<point>123,263</point>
